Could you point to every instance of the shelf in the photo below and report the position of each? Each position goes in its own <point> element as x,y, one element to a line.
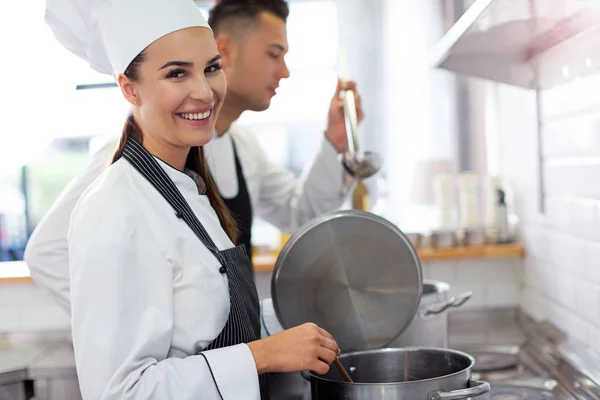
<point>266,262</point>
<point>498,39</point>
<point>459,253</point>
<point>17,272</point>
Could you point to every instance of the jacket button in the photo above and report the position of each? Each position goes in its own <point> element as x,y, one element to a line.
<point>223,269</point>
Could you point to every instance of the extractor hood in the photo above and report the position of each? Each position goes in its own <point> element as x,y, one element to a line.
<point>499,40</point>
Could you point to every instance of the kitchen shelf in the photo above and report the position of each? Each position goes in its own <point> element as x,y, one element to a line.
<point>266,262</point>
<point>17,272</point>
<point>499,40</point>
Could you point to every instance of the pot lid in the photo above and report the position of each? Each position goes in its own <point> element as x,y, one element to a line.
<point>354,274</point>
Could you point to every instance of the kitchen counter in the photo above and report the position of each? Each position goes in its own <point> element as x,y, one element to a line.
<point>50,356</point>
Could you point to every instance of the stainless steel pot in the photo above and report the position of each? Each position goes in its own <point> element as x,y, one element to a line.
<point>400,374</point>
<point>429,327</point>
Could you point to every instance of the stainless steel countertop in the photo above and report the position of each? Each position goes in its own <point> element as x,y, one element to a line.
<point>50,355</point>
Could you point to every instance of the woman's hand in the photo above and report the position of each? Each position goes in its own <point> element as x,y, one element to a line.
<point>305,347</point>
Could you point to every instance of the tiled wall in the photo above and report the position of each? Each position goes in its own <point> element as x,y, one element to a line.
<point>494,283</point>
<point>25,307</point>
<point>562,269</point>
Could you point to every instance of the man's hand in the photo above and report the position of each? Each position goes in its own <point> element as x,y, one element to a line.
<point>336,125</point>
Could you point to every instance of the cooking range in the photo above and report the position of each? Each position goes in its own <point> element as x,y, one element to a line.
<point>545,367</point>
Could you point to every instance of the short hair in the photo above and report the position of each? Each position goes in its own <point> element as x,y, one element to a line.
<point>238,16</point>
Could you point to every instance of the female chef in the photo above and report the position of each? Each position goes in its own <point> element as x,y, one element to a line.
<point>163,306</point>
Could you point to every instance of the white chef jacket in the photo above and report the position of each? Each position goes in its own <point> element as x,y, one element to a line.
<point>147,295</point>
<point>275,194</point>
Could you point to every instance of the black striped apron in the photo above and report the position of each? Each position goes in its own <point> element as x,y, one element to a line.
<point>243,322</point>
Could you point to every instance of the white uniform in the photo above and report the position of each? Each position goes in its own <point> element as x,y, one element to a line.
<point>275,194</point>
<point>147,295</point>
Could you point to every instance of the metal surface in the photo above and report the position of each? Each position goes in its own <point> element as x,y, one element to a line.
<point>412,373</point>
<point>549,365</point>
<point>356,163</point>
<point>348,272</point>
<point>566,369</point>
<point>443,239</point>
<point>454,302</point>
<point>429,328</point>
<point>14,391</point>
<point>510,392</point>
<point>488,361</point>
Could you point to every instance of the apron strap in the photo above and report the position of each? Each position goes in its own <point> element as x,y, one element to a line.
<point>149,168</point>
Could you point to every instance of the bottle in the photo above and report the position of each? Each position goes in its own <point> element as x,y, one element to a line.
<point>502,217</point>
<point>360,197</point>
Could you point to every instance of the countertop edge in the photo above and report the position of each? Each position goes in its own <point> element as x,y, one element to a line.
<point>18,272</point>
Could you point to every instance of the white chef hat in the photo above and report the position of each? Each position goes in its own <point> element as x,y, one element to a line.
<point>109,34</point>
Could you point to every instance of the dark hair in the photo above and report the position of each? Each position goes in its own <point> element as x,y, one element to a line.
<point>195,160</point>
<point>230,14</point>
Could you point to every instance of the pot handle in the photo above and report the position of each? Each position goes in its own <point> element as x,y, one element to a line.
<point>453,302</point>
<point>305,375</point>
<point>476,388</point>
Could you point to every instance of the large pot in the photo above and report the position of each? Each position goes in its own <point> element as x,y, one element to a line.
<point>429,327</point>
<point>400,374</point>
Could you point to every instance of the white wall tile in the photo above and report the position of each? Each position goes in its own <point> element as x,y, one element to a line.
<point>578,328</point>
<point>593,335</point>
<point>583,217</point>
<point>592,254</point>
<point>44,317</point>
<point>10,319</point>
<point>474,272</point>
<point>592,172</point>
<point>558,212</point>
<point>561,277</point>
<point>587,301</point>
<point>503,295</point>
<point>441,271</point>
<point>566,290</point>
<point>568,253</point>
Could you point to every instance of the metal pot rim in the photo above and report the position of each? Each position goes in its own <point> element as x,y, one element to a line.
<point>399,350</point>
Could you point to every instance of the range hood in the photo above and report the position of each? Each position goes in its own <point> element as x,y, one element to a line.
<point>500,40</point>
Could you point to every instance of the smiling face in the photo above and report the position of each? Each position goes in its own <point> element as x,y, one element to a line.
<point>177,89</point>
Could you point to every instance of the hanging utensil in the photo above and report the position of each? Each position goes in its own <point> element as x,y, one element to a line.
<point>359,164</point>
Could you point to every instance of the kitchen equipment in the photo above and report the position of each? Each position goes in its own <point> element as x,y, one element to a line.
<point>469,200</point>
<point>416,239</point>
<point>348,271</point>
<point>342,370</point>
<point>473,237</point>
<point>359,164</point>
<point>400,374</point>
<point>443,238</point>
<point>502,212</point>
<point>429,328</point>
<point>444,193</point>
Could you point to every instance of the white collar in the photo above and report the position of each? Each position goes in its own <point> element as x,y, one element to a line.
<point>187,181</point>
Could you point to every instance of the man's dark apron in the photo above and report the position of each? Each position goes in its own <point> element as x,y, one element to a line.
<point>241,207</point>
<point>243,322</point>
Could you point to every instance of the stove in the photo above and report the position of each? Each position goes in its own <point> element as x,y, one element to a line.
<point>542,368</point>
